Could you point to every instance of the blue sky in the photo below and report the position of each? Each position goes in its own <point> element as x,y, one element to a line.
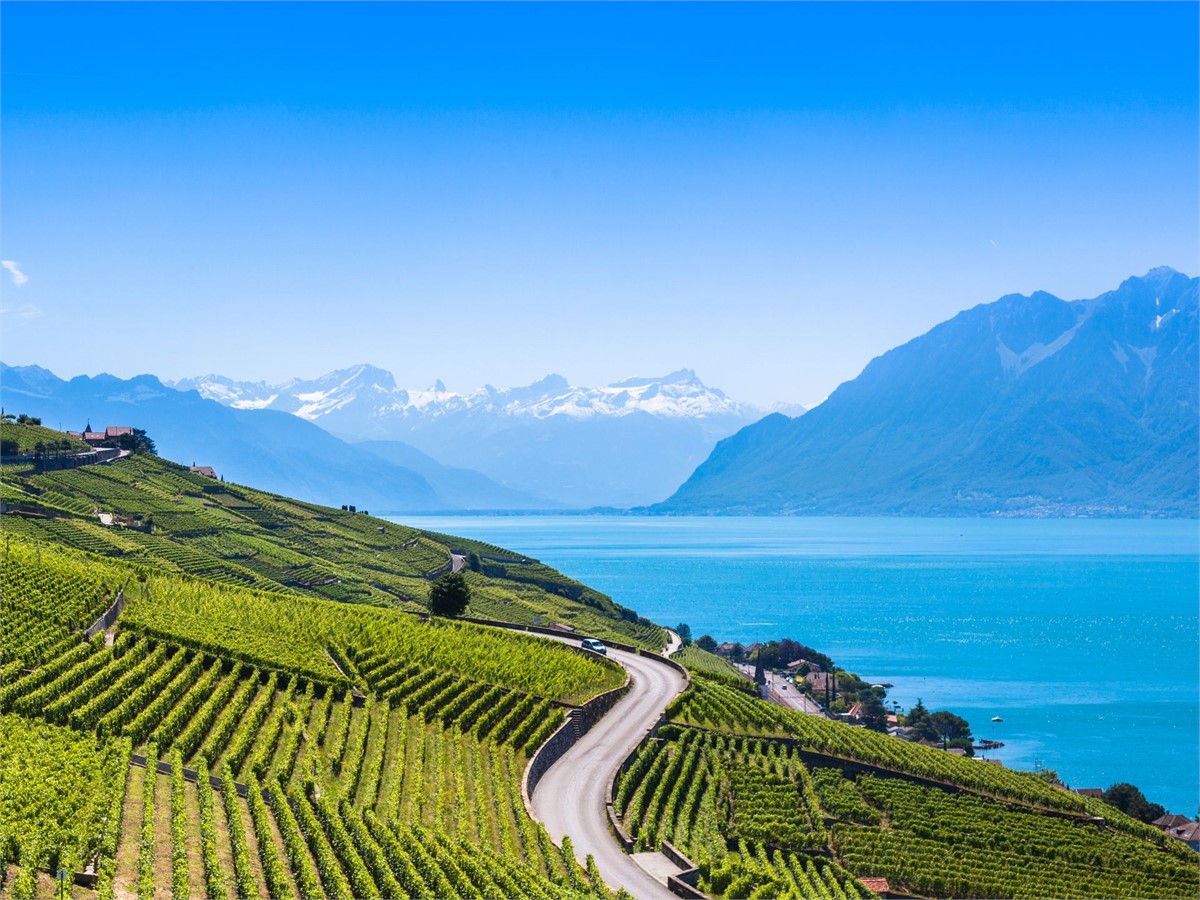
<point>770,194</point>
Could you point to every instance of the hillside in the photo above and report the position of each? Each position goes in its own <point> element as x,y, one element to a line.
<point>771,802</point>
<point>344,734</point>
<point>360,750</point>
<point>191,524</point>
<point>1026,406</point>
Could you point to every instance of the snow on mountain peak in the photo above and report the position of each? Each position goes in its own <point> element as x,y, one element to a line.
<point>366,394</point>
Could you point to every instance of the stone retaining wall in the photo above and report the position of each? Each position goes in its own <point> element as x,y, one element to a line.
<point>110,616</point>
<point>545,756</point>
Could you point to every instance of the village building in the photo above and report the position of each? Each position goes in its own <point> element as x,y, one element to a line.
<point>97,438</point>
<point>1180,827</point>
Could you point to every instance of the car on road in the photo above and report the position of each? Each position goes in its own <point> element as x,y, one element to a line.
<point>594,645</point>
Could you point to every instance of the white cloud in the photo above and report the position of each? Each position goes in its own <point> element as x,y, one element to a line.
<point>23,311</point>
<point>18,277</point>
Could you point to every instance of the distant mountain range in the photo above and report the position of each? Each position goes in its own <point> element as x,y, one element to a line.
<point>268,449</point>
<point>628,443</point>
<point>1025,406</point>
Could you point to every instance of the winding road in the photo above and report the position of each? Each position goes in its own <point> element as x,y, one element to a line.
<point>572,795</point>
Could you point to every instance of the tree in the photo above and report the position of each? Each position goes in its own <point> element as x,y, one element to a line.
<point>873,711</point>
<point>707,642</point>
<point>760,676</point>
<point>950,727</point>
<point>920,722</point>
<point>685,633</point>
<point>473,562</point>
<point>449,595</point>
<point>1131,801</point>
<point>138,442</point>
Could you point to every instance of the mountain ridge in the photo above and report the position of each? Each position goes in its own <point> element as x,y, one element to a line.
<point>1030,405</point>
<point>253,446</point>
<point>627,443</point>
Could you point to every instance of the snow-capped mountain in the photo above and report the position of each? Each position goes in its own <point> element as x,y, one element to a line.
<point>626,443</point>
<point>372,390</point>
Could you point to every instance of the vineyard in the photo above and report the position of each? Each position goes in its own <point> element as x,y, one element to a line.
<point>266,717</point>
<point>751,790</point>
<point>715,668</point>
<point>323,790</point>
<point>188,524</point>
<point>236,732</point>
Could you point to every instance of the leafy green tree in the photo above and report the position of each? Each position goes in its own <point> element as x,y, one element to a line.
<point>449,595</point>
<point>1131,801</point>
<point>920,722</point>
<point>473,562</point>
<point>873,711</point>
<point>138,442</point>
<point>707,642</point>
<point>685,633</point>
<point>949,726</point>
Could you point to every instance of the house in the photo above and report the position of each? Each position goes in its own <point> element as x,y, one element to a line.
<point>1180,827</point>
<point>798,663</point>
<point>1090,792</point>
<point>1189,834</point>
<point>96,438</point>
<point>877,886</point>
<point>725,649</point>
<point>1170,820</point>
<point>819,680</point>
<point>203,470</point>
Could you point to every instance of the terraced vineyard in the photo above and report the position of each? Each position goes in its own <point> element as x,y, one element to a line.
<point>756,790</point>
<point>715,668</point>
<point>331,792</point>
<point>267,718</point>
<point>186,523</point>
<point>233,734</point>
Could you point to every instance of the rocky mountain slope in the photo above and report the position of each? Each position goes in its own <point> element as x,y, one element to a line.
<point>1025,406</point>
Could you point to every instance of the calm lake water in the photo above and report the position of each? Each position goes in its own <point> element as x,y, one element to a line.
<point>1081,634</point>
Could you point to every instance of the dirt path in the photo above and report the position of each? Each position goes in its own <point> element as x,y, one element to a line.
<point>128,844</point>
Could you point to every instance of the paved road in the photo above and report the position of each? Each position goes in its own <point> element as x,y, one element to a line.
<point>786,694</point>
<point>570,798</point>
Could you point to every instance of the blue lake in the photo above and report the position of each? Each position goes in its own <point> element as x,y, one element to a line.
<point>1081,634</point>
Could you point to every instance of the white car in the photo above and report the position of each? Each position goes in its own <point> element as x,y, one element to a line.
<point>594,645</point>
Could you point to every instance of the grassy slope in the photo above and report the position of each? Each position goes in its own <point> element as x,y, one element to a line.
<point>952,848</point>
<point>29,436</point>
<point>221,562</point>
<point>237,535</point>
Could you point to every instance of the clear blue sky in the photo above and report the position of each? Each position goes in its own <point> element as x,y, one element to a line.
<point>770,194</point>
